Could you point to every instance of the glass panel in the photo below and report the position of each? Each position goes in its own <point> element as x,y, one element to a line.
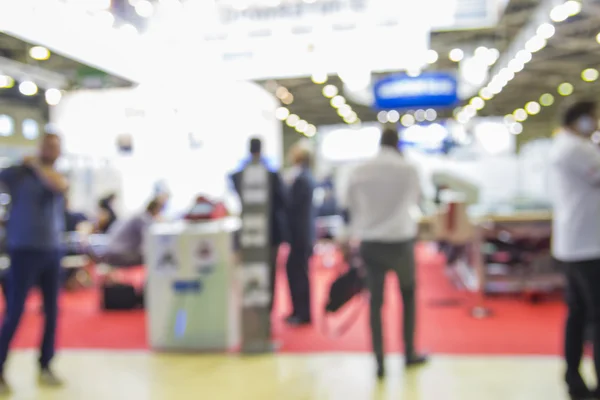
<point>31,129</point>
<point>7,125</point>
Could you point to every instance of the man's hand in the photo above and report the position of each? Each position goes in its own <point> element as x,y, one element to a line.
<point>31,162</point>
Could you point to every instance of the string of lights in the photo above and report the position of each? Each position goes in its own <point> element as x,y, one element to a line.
<point>292,120</point>
<point>501,79</point>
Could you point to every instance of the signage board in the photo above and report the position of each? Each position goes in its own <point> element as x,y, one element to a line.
<point>255,195</point>
<point>400,91</point>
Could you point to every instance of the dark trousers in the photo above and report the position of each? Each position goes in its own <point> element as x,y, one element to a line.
<point>298,281</point>
<point>27,269</point>
<point>273,272</point>
<point>583,301</point>
<point>380,258</point>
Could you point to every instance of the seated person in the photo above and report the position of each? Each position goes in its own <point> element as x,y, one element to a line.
<point>125,239</point>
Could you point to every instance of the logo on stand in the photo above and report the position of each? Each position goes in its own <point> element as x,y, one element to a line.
<point>206,257</point>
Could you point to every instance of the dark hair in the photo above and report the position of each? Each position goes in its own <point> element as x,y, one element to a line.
<point>389,138</point>
<point>578,110</point>
<point>154,205</point>
<point>255,146</point>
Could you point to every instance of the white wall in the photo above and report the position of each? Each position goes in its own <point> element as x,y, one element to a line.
<point>221,116</point>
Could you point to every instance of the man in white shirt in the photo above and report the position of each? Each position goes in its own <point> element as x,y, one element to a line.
<point>382,201</point>
<point>575,183</point>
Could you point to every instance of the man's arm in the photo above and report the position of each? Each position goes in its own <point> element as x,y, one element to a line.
<point>51,178</point>
<point>301,204</point>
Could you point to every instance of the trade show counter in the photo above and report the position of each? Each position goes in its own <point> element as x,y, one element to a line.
<point>191,298</point>
<point>505,252</point>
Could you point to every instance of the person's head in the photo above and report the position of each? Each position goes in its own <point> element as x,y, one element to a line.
<point>389,139</point>
<point>300,155</point>
<point>107,201</point>
<point>581,118</point>
<point>255,148</point>
<point>154,207</point>
<point>50,148</point>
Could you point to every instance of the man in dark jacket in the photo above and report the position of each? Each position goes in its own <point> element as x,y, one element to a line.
<point>278,229</point>
<point>301,217</point>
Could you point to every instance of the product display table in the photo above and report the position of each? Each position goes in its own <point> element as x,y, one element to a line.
<point>192,301</point>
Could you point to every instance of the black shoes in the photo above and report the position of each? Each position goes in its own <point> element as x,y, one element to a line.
<point>294,320</point>
<point>416,360</point>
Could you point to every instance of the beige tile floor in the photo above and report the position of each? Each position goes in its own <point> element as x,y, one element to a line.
<point>99,375</point>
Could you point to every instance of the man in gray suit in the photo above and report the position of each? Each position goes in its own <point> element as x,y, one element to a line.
<point>301,219</point>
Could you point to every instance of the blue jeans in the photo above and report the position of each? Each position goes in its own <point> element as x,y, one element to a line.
<point>27,269</point>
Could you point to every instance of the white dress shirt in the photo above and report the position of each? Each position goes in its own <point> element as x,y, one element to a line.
<point>575,187</point>
<point>382,199</point>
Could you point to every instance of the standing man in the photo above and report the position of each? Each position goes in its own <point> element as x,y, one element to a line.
<point>279,227</point>
<point>575,183</point>
<point>301,217</point>
<point>35,233</point>
<point>382,200</point>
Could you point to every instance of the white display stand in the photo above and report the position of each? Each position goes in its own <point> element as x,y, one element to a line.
<point>192,300</point>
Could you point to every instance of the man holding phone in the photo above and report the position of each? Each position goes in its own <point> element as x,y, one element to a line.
<point>35,231</point>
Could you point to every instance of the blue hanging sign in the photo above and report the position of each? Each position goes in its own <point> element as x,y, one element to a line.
<point>400,91</point>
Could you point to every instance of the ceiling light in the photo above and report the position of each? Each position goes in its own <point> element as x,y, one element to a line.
<point>565,89</point>
<point>350,119</point>
<point>310,131</point>
<point>506,74</point>
<point>338,101</point>
<point>430,115</point>
<point>515,128</point>
<point>292,120</point>
<point>516,66</point>
<point>393,116</point>
<point>572,7</point>
<point>456,55</point>
<point>344,110</point>
<point>413,73</point>
<point>520,115</point>
<point>462,118</point>
<point>546,30</point>
<point>493,56</point>
<point>420,115</point>
<point>281,92</point>
<point>128,29</point>
<point>469,111</point>
<point>287,100</point>
<point>598,38</point>
<point>6,82</point>
<point>523,56</point>
<point>282,113</point>
<point>533,108</point>
<point>407,120</point>
<point>546,99</point>
<point>495,88</point>
<point>53,96</point>
<point>559,13</point>
<point>509,119</point>
<point>481,52</point>
<point>301,126</point>
<point>589,75</point>
<point>28,88</point>
<point>535,44</point>
<point>382,117</point>
<point>431,57</point>
<point>319,78</point>
<point>477,102</point>
<point>39,53</point>
<point>144,8</point>
<point>330,91</point>
<point>486,93</point>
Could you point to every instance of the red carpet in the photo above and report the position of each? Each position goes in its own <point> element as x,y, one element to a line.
<point>445,325</point>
